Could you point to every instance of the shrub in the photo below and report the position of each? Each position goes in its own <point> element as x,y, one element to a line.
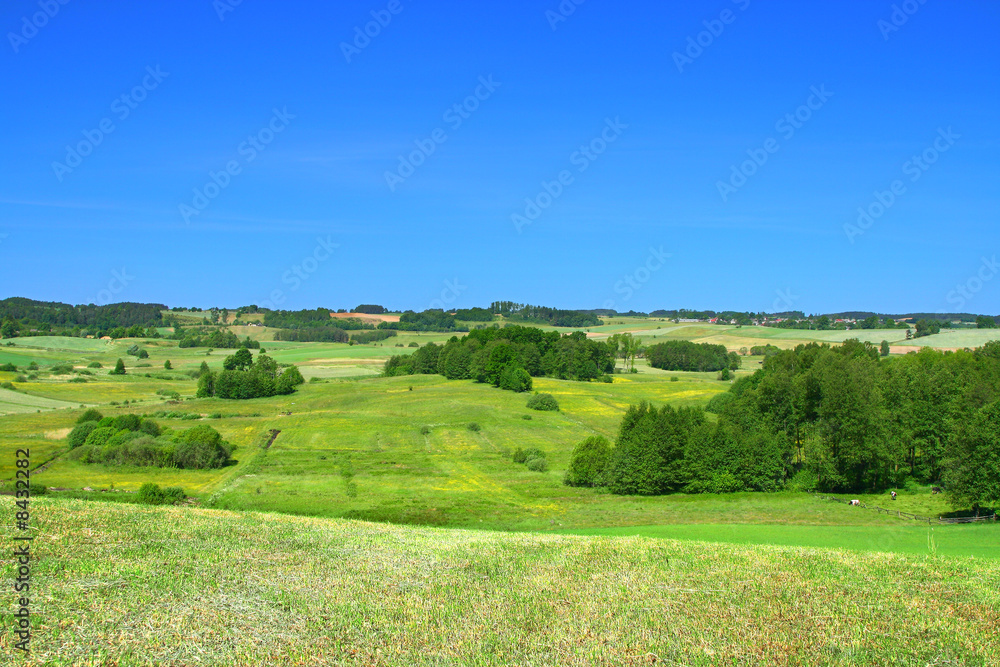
<point>9,368</point>
<point>61,369</point>
<point>7,385</point>
<point>21,378</point>
<point>99,436</point>
<point>588,462</point>
<point>151,494</point>
<point>474,427</point>
<point>803,480</point>
<point>515,378</point>
<point>127,422</point>
<point>674,378</point>
<point>425,430</point>
<point>77,380</point>
<point>92,364</point>
<point>519,456</point>
<point>413,344</point>
<point>79,434</point>
<point>167,365</point>
<point>201,447</point>
<point>533,453</point>
<point>37,489</point>
<point>119,368</point>
<point>724,374</point>
<point>526,417</point>
<point>215,415</point>
<point>538,465</point>
<point>545,402</point>
<point>150,427</point>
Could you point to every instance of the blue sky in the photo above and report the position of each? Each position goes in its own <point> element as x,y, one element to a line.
<point>642,110</point>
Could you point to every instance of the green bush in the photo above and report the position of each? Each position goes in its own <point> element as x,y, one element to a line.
<point>474,427</point>
<point>425,430</point>
<point>77,380</point>
<point>9,368</point>
<point>588,462</point>
<point>518,456</point>
<point>95,364</point>
<point>674,378</point>
<point>515,378</point>
<point>61,369</point>
<point>538,465</point>
<point>99,436</point>
<point>526,417</point>
<point>545,402</point>
<point>152,494</point>
<point>37,489</point>
<point>803,480</point>
<point>127,422</point>
<point>8,385</point>
<point>533,453</point>
<point>33,366</point>
<point>78,436</point>
<point>201,447</point>
<point>150,427</point>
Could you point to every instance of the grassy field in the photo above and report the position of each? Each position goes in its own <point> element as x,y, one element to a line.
<point>129,585</point>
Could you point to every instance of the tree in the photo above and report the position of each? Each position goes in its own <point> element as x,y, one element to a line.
<point>119,368</point>
<point>982,322</point>
<point>240,361</point>
<point>206,385</point>
<point>972,466</point>
<point>143,354</point>
<point>166,365</point>
<point>514,378</point>
<point>8,329</point>
<point>884,348</point>
<point>587,464</point>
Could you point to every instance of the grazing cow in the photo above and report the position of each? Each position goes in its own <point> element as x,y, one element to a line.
<point>854,502</point>
<point>893,495</point>
<point>935,490</point>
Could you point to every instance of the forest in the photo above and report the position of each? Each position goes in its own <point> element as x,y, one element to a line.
<point>839,419</point>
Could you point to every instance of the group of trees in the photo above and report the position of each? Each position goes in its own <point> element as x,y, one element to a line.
<point>683,355</point>
<point>328,334</point>
<point>365,337</point>
<point>310,319</point>
<point>133,440</point>
<point>220,339</point>
<point>428,320</point>
<point>244,377</point>
<point>542,315</point>
<point>509,357</point>
<point>844,419</point>
<point>51,315</point>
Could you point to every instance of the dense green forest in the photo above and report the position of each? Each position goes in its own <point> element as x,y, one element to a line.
<point>485,355</point>
<point>25,315</point>
<point>840,419</point>
<point>683,355</point>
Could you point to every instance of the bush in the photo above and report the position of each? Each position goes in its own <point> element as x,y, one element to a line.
<point>150,427</point>
<point>803,480</point>
<point>99,436</point>
<point>545,402</point>
<point>413,344</point>
<point>79,434</point>
<point>425,430</point>
<point>61,369</point>
<point>127,422</point>
<point>538,465</point>
<point>119,368</point>
<point>474,427</point>
<point>7,385</point>
<point>152,494</point>
<point>201,447</point>
<point>526,417</point>
<point>9,368</point>
<point>588,462</point>
<point>515,378</point>
<point>674,378</point>
<point>77,380</point>
<point>21,378</point>
<point>92,364</point>
<point>37,489</point>
<point>519,456</point>
<point>533,453</point>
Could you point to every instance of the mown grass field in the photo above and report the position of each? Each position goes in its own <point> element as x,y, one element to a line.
<point>130,585</point>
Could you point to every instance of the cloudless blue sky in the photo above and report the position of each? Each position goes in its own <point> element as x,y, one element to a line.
<point>444,235</point>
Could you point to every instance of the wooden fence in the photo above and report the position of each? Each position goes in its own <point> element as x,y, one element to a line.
<point>907,515</point>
